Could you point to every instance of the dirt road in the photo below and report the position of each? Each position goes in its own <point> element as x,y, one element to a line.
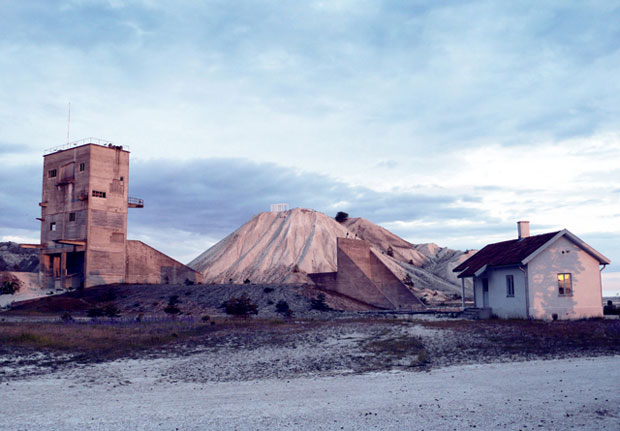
<point>130,394</point>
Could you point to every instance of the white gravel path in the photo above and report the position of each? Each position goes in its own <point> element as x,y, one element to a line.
<point>130,395</point>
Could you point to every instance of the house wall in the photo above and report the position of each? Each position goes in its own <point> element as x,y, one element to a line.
<point>564,257</point>
<point>145,265</point>
<point>502,305</point>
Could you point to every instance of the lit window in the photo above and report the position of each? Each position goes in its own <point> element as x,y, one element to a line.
<point>82,166</point>
<point>52,173</point>
<point>71,216</point>
<point>98,194</point>
<point>53,226</point>
<point>565,284</point>
<point>510,286</point>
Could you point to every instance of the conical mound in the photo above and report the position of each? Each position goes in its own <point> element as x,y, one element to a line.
<point>284,247</point>
<point>274,248</point>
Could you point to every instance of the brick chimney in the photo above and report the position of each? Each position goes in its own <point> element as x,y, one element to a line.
<point>523,228</point>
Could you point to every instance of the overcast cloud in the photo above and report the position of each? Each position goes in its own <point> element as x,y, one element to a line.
<point>445,121</point>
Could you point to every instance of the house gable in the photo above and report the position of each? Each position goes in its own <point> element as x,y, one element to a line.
<point>564,256</point>
<point>520,252</point>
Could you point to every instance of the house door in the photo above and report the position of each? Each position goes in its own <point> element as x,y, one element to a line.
<point>485,293</point>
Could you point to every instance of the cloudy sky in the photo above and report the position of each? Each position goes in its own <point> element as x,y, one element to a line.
<point>443,121</point>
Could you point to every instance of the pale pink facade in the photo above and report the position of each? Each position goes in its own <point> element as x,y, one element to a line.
<point>564,257</point>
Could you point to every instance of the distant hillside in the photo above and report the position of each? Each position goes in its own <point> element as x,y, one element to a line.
<point>284,247</point>
<point>13,258</point>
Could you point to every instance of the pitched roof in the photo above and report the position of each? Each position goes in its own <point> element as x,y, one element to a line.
<point>511,252</point>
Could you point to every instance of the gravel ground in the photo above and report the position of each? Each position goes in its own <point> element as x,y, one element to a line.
<point>139,395</point>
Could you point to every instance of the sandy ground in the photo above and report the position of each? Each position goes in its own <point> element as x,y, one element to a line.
<point>137,394</point>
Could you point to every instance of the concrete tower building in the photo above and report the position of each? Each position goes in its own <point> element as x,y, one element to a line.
<point>84,222</point>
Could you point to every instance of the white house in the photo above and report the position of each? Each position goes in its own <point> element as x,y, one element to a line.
<point>550,276</point>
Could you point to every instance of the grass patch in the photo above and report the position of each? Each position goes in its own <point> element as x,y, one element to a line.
<point>102,340</point>
<point>404,349</point>
<point>539,338</point>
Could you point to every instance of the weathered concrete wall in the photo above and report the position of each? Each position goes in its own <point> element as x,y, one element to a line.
<point>149,266</point>
<point>84,198</point>
<point>364,277</point>
<point>108,169</point>
<point>391,286</point>
<point>354,274</point>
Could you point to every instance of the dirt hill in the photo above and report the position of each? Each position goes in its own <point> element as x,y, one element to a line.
<point>284,247</point>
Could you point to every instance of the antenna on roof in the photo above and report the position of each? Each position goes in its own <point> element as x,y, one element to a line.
<point>69,122</point>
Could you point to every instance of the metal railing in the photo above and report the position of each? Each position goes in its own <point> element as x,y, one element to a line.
<point>96,141</point>
<point>137,202</point>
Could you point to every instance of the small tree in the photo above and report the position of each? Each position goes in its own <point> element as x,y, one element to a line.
<point>172,308</point>
<point>319,303</point>
<point>9,288</point>
<point>341,216</point>
<point>390,251</point>
<point>241,306</point>
<point>9,284</point>
<point>282,307</point>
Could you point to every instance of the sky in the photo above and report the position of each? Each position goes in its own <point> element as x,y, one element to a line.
<point>442,121</point>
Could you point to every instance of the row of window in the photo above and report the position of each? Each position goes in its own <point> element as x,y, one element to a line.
<point>53,224</point>
<point>565,285</point>
<point>52,173</point>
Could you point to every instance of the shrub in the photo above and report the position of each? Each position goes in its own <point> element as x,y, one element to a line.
<point>341,216</point>
<point>268,289</point>
<point>282,306</point>
<point>172,308</point>
<point>66,317</point>
<point>319,303</point>
<point>95,312</point>
<point>611,309</point>
<point>390,251</point>
<point>9,284</point>
<point>241,306</point>
<point>246,281</point>
<point>9,288</point>
<point>110,310</point>
<point>205,318</point>
<point>407,280</point>
<point>189,282</point>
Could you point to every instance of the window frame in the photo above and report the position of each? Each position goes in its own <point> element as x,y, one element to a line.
<point>71,217</point>
<point>510,286</point>
<point>98,194</point>
<point>53,226</point>
<point>564,288</point>
<point>82,167</point>
<point>52,173</point>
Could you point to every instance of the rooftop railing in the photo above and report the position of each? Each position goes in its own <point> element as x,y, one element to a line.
<point>96,141</point>
<point>135,202</point>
